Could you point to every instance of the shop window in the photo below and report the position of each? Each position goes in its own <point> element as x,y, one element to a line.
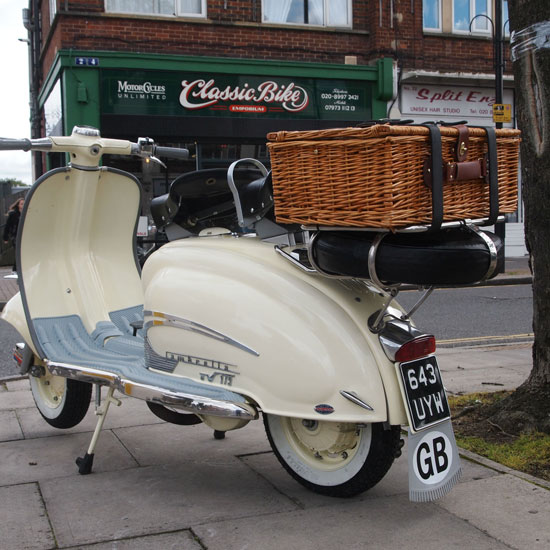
<point>216,155</point>
<point>181,8</point>
<point>431,15</point>
<point>472,16</point>
<point>322,13</point>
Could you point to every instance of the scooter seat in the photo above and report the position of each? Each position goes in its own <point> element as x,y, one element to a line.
<point>254,200</point>
<point>450,257</point>
<point>200,199</point>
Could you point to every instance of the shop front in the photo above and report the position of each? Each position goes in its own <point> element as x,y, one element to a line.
<point>463,101</point>
<point>221,109</point>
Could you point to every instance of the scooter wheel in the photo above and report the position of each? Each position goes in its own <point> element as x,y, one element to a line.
<point>332,458</point>
<point>62,402</point>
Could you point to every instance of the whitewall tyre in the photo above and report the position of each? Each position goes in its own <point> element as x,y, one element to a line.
<point>333,458</point>
<point>62,402</point>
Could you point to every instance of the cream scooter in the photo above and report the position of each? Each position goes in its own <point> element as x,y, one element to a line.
<point>225,322</point>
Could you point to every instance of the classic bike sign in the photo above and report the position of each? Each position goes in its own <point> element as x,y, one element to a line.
<point>197,94</point>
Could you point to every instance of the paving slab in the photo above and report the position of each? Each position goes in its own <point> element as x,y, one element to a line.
<point>181,540</point>
<point>17,385</point>
<point>484,369</point>
<point>45,459</point>
<point>396,481</point>
<point>505,507</point>
<point>391,522</point>
<point>108,506</point>
<point>10,428</point>
<point>132,412</point>
<point>12,400</point>
<point>24,524</point>
<point>148,444</point>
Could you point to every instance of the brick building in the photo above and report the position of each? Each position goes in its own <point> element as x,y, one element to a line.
<point>217,75</point>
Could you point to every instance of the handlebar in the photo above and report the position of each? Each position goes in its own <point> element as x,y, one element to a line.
<point>86,146</point>
<point>7,144</point>
<point>171,152</point>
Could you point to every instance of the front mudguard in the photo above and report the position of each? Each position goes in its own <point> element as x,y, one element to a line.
<point>14,314</point>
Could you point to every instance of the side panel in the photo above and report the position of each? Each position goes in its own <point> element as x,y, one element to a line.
<point>75,246</point>
<point>248,319</point>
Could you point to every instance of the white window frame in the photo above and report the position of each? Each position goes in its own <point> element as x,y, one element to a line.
<point>506,28</point>
<point>201,15</point>
<point>490,14</point>
<point>53,10</point>
<point>440,18</point>
<point>326,10</point>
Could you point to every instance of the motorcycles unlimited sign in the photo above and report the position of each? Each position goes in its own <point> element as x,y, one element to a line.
<point>194,94</point>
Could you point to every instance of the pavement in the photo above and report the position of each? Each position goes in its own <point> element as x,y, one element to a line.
<point>161,486</point>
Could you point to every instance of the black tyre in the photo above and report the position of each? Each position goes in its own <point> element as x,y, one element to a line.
<point>173,416</point>
<point>449,257</point>
<point>332,458</point>
<point>62,402</point>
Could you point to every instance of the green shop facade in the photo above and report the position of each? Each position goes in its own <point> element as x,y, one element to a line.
<point>220,108</point>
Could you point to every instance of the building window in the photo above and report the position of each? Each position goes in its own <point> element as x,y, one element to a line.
<point>472,12</point>
<point>182,8</point>
<point>322,13</point>
<point>53,10</point>
<point>431,15</point>
<point>505,21</point>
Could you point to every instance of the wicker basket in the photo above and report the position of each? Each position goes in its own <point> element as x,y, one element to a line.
<point>374,176</point>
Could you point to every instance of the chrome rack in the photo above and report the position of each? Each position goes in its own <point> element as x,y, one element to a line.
<point>408,229</point>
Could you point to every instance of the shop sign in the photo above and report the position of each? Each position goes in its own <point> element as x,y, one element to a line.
<point>440,102</point>
<point>502,112</point>
<point>195,94</point>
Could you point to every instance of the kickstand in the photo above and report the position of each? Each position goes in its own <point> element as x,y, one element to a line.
<point>85,462</point>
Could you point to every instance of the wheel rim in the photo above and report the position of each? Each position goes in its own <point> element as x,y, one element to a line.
<point>49,392</point>
<point>324,446</point>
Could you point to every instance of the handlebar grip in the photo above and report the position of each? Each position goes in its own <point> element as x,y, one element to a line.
<point>7,144</point>
<point>172,152</point>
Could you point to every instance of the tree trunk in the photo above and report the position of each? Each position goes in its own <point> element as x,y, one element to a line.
<point>530,25</point>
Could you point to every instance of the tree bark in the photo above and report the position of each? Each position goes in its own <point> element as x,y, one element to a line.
<point>530,27</point>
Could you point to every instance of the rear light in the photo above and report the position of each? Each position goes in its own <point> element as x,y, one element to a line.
<point>416,348</point>
<point>18,353</point>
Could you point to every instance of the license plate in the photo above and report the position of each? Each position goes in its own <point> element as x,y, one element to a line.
<point>424,392</point>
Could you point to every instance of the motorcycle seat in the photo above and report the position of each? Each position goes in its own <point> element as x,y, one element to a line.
<point>254,200</point>
<point>200,199</point>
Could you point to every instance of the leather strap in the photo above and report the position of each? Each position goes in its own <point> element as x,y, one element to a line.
<point>462,143</point>
<point>433,172</point>
<point>467,170</point>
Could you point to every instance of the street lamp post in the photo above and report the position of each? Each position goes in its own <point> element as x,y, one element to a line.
<point>500,228</point>
<point>499,66</point>
<point>498,40</point>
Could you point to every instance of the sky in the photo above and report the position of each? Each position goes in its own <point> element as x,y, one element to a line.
<point>14,89</point>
